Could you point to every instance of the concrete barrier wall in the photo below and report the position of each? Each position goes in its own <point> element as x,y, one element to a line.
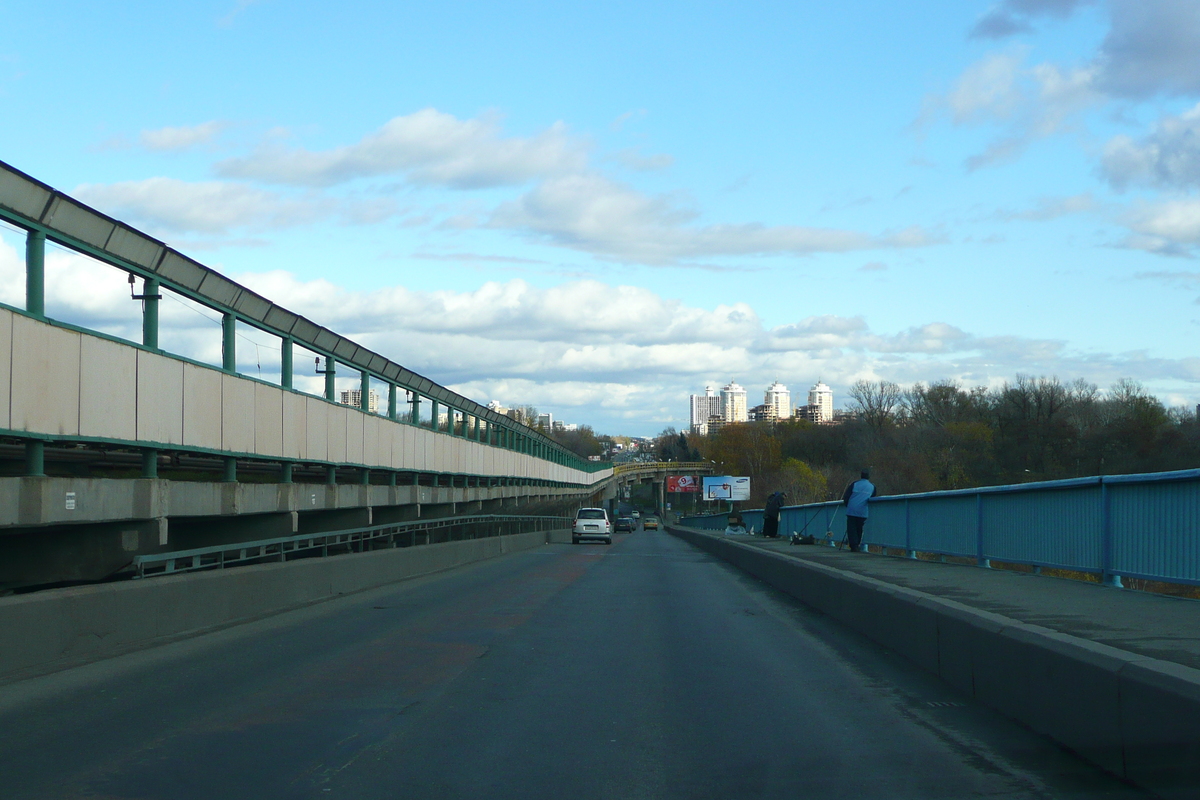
<point>56,629</point>
<point>1135,716</point>
<point>95,388</point>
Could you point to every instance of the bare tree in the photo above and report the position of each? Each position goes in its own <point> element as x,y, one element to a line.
<point>876,402</point>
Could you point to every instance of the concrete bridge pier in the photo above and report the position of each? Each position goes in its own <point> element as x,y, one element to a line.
<point>85,552</point>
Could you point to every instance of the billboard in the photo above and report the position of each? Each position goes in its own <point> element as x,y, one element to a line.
<point>723,487</point>
<point>682,483</point>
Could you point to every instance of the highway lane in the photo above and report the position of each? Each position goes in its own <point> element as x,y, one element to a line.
<point>642,670</point>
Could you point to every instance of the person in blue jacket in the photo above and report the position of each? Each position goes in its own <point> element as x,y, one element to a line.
<point>855,500</point>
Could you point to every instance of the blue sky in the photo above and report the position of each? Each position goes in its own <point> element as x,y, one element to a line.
<point>599,210</point>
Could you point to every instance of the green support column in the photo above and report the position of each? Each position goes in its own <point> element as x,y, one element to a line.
<point>364,476</point>
<point>229,473</point>
<point>331,476</point>
<point>331,380</point>
<point>150,313</point>
<point>35,273</point>
<point>285,472</point>
<point>149,463</point>
<point>286,369</point>
<point>364,393</point>
<point>433,416</point>
<point>392,478</point>
<point>229,343</point>
<point>35,459</point>
<point>392,403</point>
<point>415,411</point>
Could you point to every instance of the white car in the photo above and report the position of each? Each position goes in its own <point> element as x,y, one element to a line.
<point>592,524</point>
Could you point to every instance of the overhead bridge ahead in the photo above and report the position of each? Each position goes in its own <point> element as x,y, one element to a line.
<point>115,448</point>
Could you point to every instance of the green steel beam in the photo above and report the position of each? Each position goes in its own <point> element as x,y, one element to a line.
<point>35,458</point>
<point>229,473</point>
<point>285,472</point>
<point>229,343</point>
<point>415,417</point>
<point>150,296</point>
<point>149,463</point>
<point>35,273</point>
<point>286,368</point>
<point>330,380</point>
<point>392,391</point>
<point>364,392</point>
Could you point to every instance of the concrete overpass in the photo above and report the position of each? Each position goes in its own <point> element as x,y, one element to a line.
<point>112,448</point>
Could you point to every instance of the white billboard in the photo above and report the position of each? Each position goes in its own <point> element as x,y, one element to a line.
<point>723,487</point>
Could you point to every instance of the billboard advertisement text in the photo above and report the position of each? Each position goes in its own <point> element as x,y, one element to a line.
<point>682,483</point>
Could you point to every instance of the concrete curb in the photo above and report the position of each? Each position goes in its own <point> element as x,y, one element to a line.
<point>1135,716</point>
<point>48,631</point>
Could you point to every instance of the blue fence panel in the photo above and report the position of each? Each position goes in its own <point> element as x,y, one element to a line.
<point>1047,527</point>
<point>887,522</point>
<point>1155,529</point>
<point>944,524</point>
<point>753,519</point>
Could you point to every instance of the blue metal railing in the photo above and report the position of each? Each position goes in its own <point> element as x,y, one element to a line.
<point>1121,526</point>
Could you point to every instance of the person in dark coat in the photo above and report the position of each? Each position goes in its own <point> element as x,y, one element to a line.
<point>855,500</point>
<point>771,515</point>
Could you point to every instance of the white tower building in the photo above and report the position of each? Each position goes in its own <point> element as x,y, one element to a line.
<point>733,403</point>
<point>820,403</point>
<point>779,400</point>
<point>704,407</point>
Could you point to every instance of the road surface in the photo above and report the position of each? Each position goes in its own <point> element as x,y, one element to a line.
<point>645,669</point>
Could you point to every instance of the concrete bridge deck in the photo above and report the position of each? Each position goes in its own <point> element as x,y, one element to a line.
<point>1109,673</point>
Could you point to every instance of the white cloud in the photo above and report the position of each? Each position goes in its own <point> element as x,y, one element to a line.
<point>632,158</point>
<point>615,371</point>
<point>1049,208</point>
<point>181,138</point>
<point>1153,47</point>
<point>1012,17</point>
<point>1167,228</point>
<point>1026,103</point>
<point>428,147</point>
<point>1169,157</point>
<point>592,213</point>
<point>211,207</point>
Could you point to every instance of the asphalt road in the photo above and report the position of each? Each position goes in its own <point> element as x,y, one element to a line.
<point>645,669</point>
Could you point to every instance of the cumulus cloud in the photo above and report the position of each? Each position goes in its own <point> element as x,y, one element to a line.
<point>1153,47</point>
<point>626,364</point>
<point>1027,102</point>
<point>592,213</point>
<point>1169,157</point>
<point>181,138</point>
<point>633,158</point>
<point>1014,16</point>
<point>1167,228</point>
<point>428,147</point>
<point>211,207</point>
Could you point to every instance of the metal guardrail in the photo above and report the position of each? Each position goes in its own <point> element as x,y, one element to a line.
<point>353,540</point>
<point>677,466</point>
<point>1143,526</point>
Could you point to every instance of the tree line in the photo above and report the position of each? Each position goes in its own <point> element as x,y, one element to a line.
<point>945,436</point>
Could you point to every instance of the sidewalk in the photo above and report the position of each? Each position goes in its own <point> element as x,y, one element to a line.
<point>1152,625</point>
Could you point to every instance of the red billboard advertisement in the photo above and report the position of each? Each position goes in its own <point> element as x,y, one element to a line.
<point>682,483</point>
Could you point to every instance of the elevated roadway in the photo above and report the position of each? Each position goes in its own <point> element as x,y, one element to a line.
<point>646,669</point>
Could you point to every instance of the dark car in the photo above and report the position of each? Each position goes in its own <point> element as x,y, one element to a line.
<point>625,524</point>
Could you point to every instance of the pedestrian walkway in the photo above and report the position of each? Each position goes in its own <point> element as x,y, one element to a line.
<point>1152,625</point>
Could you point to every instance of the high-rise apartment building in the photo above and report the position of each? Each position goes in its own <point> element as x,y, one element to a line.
<point>733,403</point>
<point>353,397</point>
<point>820,403</point>
<point>704,407</point>
<point>779,400</point>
